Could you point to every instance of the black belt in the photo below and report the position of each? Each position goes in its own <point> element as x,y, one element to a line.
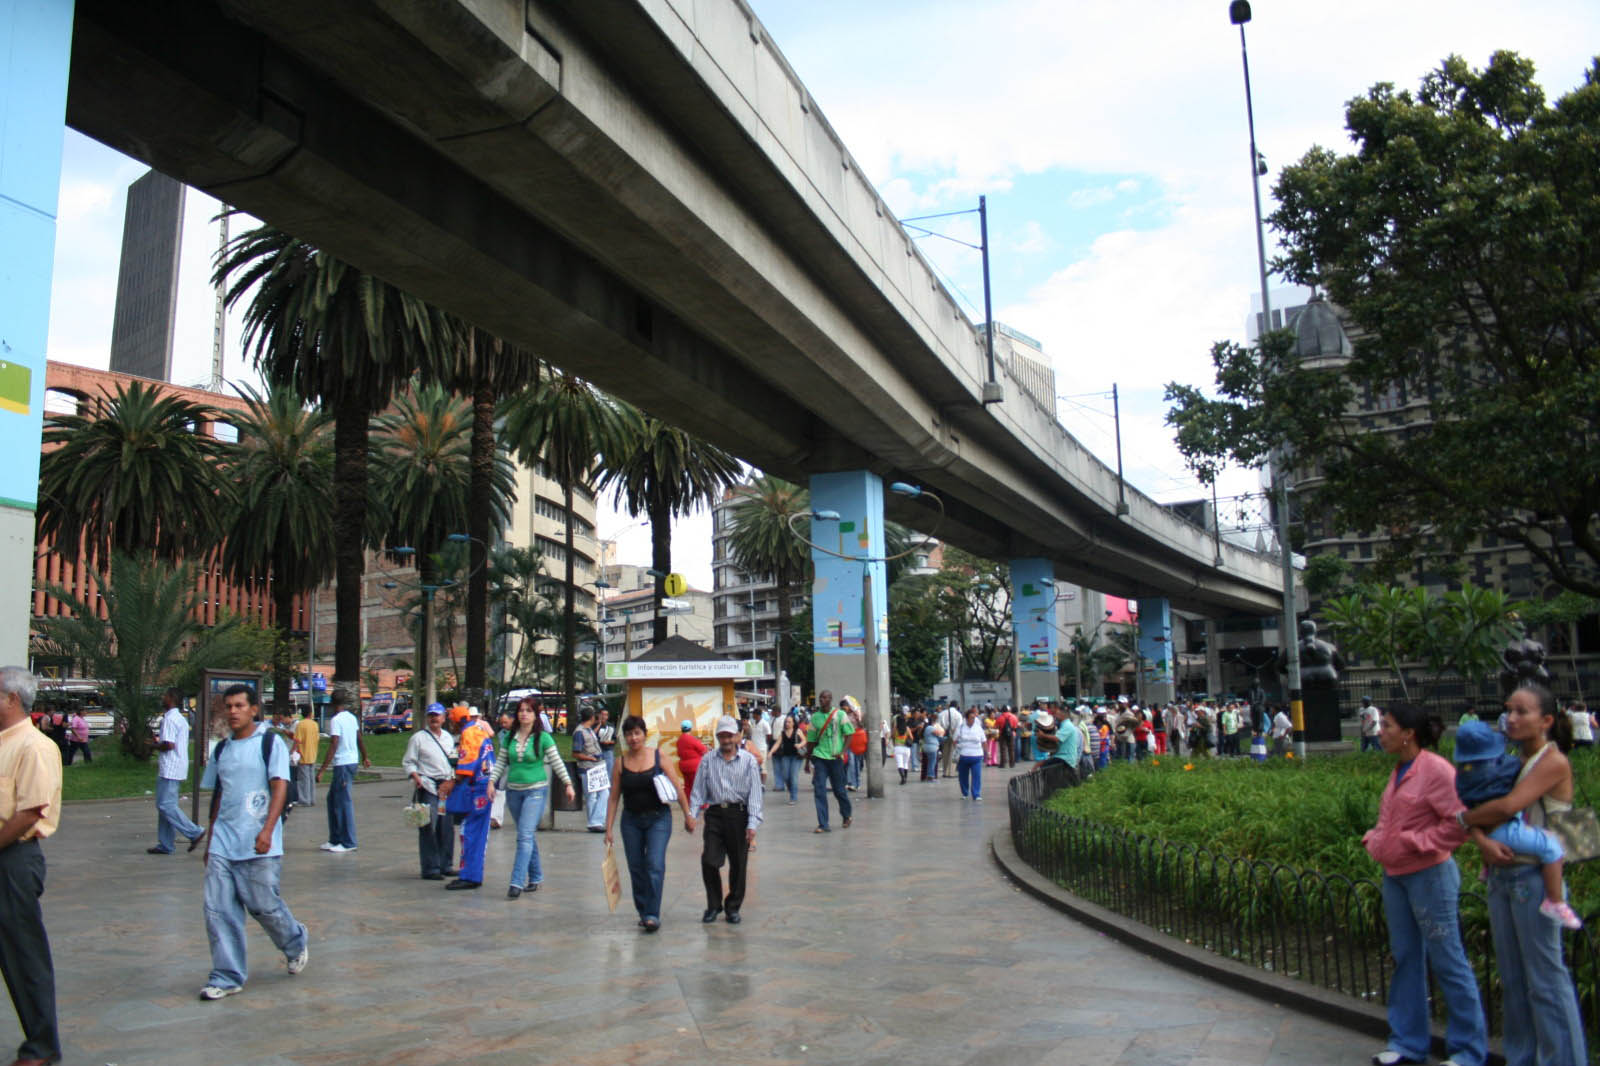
<point>728,806</point>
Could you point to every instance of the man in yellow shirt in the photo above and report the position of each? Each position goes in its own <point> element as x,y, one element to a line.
<point>306,739</point>
<point>30,804</point>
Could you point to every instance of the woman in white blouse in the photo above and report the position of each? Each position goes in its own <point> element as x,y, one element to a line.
<point>969,755</point>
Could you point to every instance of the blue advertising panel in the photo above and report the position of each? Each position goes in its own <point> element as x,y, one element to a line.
<point>1033,614</point>
<point>838,614</point>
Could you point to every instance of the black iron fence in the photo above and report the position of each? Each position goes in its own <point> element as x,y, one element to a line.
<point>1450,694</point>
<point>1325,929</point>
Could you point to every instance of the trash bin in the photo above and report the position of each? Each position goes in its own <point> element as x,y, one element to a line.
<point>558,797</point>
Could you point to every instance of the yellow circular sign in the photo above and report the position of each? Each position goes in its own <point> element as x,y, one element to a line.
<point>675,585</point>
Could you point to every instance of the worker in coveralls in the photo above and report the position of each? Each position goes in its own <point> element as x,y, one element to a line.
<point>471,794</point>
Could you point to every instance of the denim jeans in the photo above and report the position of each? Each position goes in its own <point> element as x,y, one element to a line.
<point>342,807</point>
<point>969,772</point>
<point>526,805</point>
<point>305,785</point>
<point>1424,932</point>
<point>853,770</point>
<point>826,774</point>
<point>786,772</point>
<point>594,805</point>
<point>170,819</point>
<point>644,842</point>
<point>1542,1024</point>
<point>233,888</point>
<point>436,841</point>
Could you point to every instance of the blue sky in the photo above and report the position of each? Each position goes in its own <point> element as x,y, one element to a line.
<point>1109,139</point>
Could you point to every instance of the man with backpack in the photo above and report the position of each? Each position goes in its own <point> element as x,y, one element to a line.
<point>249,780</point>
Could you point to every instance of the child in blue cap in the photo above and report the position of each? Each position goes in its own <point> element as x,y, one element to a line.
<point>1486,771</point>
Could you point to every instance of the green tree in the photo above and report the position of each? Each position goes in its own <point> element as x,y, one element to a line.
<point>977,610</point>
<point>1461,239</point>
<point>802,665</point>
<point>281,521</point>
<point>149,638</point>
<point>663,472</point>
<point>516,590</point>
<point>133,476</point>
<point>346,341</point>
<point>762,540</point>
<point>567,424</point>
<point>1462,630</point>
<point>918,634</point>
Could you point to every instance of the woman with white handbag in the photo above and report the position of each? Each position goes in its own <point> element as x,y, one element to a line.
<point>645,789</point>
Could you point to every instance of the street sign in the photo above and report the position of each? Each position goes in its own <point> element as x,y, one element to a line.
<point>675,585</point>
<point>670,604</point>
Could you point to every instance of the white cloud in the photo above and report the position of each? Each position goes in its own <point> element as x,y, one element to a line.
<point>1082,199</point>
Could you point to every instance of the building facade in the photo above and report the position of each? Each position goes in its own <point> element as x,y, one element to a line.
<point>146,311</point>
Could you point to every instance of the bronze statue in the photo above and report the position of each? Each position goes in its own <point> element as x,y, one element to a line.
<point>1523,665</point>
<point>1320,661</point>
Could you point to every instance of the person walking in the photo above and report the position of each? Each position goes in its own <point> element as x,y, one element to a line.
<point>761,737</point>
<point>346,749</point>
<point>248,776</point>
<point>856,746</point>
<point>949,720</point>
<point>1542,1024</point>
<point>646,818</point>
<point>307,739</point>
<point>727,796</point>
<point>787,747</point>
<point>606,734</point>
<point>427,761</point>
<point>902,742</point>
<point>1416,833</point>
<point>528,756</point>
<point>930,740</point>
<point>30,808</point>
<point>968,744</point>
<point>78,736</point>
<point>172,769</point>
<point>1281,728</point>
<point>469,794</point>
<point>588,757</point>
<point>1369,717</point>
<point>826,738</point>
<point>691,749</point>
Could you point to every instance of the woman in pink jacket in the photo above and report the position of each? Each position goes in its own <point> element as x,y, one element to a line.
<point>1413,841</point>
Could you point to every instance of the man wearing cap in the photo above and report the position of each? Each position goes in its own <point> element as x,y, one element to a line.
<point>469,794</point>
<point>427,760</point>
<point>727,794</point>
<point>346,748</point>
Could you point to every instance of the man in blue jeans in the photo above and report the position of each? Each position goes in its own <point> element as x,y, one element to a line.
<point>172,767</point>
<point>346,749</point>
<point>826,738</point>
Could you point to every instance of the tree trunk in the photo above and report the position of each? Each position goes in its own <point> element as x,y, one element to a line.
<point>350,438</point>
<point>569,620</point>
<point>282,609</point>
<point>783,582</point>
<point>423,689</point>
<point>478,492</point>
<point>660,558</point>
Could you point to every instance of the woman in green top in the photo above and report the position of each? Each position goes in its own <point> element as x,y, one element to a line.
<point>528,755</point>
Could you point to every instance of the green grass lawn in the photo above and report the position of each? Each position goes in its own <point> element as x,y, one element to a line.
<point>387,749</point>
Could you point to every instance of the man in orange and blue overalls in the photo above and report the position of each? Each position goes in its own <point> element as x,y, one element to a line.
<point>469,796</point>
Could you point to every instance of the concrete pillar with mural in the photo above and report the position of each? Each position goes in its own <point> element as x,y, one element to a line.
<point>1157,657</point>
<point>850,596</point>
<point>35,47</point>
<point>1033,623</point>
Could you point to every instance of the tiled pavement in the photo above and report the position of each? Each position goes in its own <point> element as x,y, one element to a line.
<point>896,940</point>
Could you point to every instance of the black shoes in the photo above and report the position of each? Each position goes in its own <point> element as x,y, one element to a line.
<point>733,918</point>
<point>433,877</point>
<point>159,851</point>
<point>513,892</point>
<point>710,915</point>
<point>458,884</point>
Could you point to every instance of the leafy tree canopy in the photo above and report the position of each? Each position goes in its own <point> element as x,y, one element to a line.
<point>1461,239</point>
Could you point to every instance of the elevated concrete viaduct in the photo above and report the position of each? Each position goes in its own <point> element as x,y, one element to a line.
<point>643,191</point>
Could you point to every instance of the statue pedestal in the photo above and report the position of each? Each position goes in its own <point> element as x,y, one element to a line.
<point>1322,714</point>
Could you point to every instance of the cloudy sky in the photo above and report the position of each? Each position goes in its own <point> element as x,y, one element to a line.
<point>1110,140</point>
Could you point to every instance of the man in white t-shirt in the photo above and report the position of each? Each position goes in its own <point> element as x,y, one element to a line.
<point>761,739</point>
<point>1281,728</point>
<point>172,767</point>
<point>1369,717</point>
<point>346,748</point>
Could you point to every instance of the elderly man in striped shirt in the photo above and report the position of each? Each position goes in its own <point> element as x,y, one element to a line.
<point>727,794</point>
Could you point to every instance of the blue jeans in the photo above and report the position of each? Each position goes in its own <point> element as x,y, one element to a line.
<point>969,772</point>
<point>826,774</point>
<point>342,807</point>
<point>786,772</point>
<point>594,805</point>
<point>1369,743</point>
<point>170,819</point>
<point>853,770</point>
<point>644,842</point>
<point>526,805</point>
<point>1425,932</point>
<point>233,888</point>
<point>1542,1024</point>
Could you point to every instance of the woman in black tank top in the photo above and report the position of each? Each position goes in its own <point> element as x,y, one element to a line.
<point>646,820</point>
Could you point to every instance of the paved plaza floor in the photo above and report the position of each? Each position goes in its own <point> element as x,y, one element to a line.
<point>894,941</point>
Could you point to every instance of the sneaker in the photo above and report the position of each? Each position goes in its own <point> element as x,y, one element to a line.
<point>218,992</point>
<point>298,963</point>
<point>336,848</point>
<point>1559,911</point>
<point>328,846</point>
<point>1391,1057</point>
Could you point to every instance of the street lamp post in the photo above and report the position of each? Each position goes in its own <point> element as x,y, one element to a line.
<point>1239,14</point>
<point>425,645</point>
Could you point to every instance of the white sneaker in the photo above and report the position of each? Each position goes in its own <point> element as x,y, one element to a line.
<point>298,963</point>
<point>336,847</point>
<point>218,992</point>
<point>328,846</point>
<point>1391,1057</point>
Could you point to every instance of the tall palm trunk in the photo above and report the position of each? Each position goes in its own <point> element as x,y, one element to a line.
<point>478,522</point>
<point>350,439</point>
<point>424,691</point>
<point>660,512</point>
<point>282,610</point>
<point>784,581</point>
<point>569,621</point>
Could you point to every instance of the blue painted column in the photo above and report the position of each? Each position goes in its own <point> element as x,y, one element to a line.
<point>1158,677</point>
<point>850,598</point>
<point>1033,623</point>
<point>35,47</point>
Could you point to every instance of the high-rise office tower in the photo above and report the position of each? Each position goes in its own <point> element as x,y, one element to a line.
<point>147,279</point>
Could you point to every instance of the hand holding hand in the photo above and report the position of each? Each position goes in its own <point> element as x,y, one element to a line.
<point>688,823</point>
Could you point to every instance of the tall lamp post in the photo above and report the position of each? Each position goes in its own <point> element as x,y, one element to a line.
<point>425,659</point>
<point>1239,14</point>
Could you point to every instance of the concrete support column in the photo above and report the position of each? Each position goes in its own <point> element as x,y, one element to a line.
<point>1033,624</point>
<point>1158,681</point>
<point>850,599</point>
<point>1213,658</point>
<point>35,47</point>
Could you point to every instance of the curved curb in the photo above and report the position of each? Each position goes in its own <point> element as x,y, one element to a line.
<point>1280,991</point>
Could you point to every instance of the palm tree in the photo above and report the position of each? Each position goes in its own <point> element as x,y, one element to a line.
<point>346,341</point>
<point>566,423</point>
<point>485,369</point>
<point>282,518</point>
<point>663,472</point>
<point>762,541</point>
<point>422,470</point>
<point>137,476</point>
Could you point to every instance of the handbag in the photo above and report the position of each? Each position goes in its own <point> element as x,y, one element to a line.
<point>666,791</point>
<point>1578,830</point>
<point>611,878</point>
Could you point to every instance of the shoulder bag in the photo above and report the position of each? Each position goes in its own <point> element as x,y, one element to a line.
<point>666,791</point>
<point>1578,830</point>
